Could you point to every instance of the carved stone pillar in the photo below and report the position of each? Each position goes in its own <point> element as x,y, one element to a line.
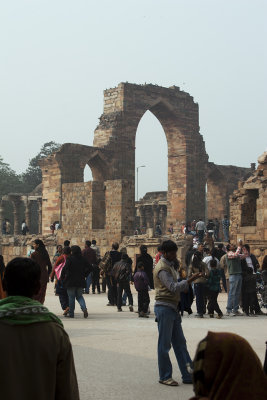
<point>142,216</point>
<point>16,204</point>
<point>28,205</point>
<point>148,217</point>
<point>162,217</point>
<point>39,203</point>
<point>155,209</point>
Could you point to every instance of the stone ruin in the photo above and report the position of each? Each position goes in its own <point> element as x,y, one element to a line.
<point>104,208</point>
<point>248,210</point>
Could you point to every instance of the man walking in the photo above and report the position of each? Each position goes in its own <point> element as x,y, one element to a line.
<point>200,228</point>
<point>233,260</point>
<point>225,226</point>
<point>167,298</point>
<point>122,274</point>
<point>216,229</point>
<point>90,255</point>
<point>106,266</point>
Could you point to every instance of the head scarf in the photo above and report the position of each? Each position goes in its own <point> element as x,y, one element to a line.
<point>20,310</point>
<point>227,368</point>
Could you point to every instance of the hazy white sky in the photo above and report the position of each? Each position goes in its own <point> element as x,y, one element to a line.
<point>58,56</point>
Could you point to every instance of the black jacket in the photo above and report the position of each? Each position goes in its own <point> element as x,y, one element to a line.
<point>75,272</point>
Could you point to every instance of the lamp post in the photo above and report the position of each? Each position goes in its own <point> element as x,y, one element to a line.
<point>141,166</point>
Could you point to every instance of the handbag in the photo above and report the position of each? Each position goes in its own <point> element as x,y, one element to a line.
<point>59,268</point>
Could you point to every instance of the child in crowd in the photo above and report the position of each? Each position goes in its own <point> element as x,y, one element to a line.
<point>213,284</point>
<point>141,284</point>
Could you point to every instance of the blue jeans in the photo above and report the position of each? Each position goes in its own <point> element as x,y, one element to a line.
<point>88,283</point>
<point>124,298</point>
<point>75,292</point>
<point>171,334</point>
<point>235,284</point>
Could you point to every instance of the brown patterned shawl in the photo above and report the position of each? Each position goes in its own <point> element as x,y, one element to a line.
<point>227,368</point>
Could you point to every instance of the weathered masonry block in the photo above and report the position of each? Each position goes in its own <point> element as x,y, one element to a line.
<point>248,210</point>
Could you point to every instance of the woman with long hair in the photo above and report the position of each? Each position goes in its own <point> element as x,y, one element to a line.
<point>60,290</point>
<point>41,256</point>
<point>73,277</point>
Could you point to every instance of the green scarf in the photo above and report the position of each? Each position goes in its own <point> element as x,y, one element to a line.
<point>20,310</point>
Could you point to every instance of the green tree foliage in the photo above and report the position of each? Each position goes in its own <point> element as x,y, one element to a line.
<point>32,177</point>
<point>9,180</point>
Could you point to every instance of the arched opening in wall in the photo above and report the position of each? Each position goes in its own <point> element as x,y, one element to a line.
<point>87,174</point>
<point>95,191</point>
<point>151,174</point>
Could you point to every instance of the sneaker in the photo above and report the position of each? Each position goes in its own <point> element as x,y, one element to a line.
<point>228,313</point>
<point>85,313</point>
<point>143,315</point>
<point>66,311</point>
<point>119,309</point>
<point>237,314</point>
<point>131,308</point>
<point>211,315</point>
<point>219,316</point>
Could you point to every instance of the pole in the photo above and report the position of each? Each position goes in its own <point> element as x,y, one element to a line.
<point>137,185</point>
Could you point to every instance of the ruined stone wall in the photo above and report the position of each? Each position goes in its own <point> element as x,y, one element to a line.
<point>109,210</point>
<point>178,114</point>
<point>222,180</point>
<point>77,208</point>
<point>118,208</point>
<point>248,210</point>
<point>18,246</point>
<point>51,189</point>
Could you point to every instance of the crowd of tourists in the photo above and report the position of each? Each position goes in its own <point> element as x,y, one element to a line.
<point>232,269</point>
<point>75,272</point>
<point>212,229</point>
<point>24,320</point>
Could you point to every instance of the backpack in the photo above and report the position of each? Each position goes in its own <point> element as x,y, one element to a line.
<point>105,264</point>
<point>123,274</point>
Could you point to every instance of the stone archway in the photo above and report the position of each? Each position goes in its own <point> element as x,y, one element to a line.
<point>178,114</point>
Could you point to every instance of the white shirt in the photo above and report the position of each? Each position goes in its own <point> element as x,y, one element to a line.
<point>208,259</point>
<point>200,226</point>
<point>249,263</point>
